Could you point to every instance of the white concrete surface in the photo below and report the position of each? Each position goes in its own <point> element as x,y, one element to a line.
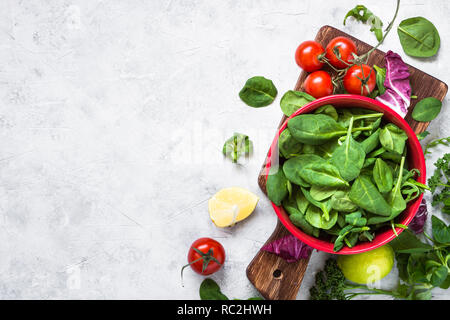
<point>112,119</point>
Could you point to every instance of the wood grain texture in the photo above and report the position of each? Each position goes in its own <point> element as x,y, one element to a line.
<point>261,269</point>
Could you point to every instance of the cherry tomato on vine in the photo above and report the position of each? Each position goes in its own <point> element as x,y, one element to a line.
<point>307,55</point>
<point>346,48</point>
<point>352,79</point>
<point>318,84</point>
<point>205,256</point>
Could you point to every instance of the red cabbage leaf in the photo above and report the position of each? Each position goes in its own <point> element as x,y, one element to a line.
<point>289,248</point>
<point>420,218</point>
<point>398,88</point>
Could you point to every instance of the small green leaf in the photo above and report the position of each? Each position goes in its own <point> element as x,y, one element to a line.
<point>380,77</point>
<point>419,37</point>
<point>294,100</point>
<point>407,242</point>
<point>361,13</point>
<point>441,232</point>
<point>427,109</point>
<point>210,290</point>
<point>276,185</point>
<point>258,92</point>
<point>288,146</point>
<point>422,135</point>
<point>438,276</point>
<point>239,144</point>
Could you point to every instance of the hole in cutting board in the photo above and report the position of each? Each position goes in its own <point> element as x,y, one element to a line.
<point>277,274</point>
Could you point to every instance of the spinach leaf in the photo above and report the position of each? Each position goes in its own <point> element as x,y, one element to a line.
<point>317,219</point>
<point>324,206</point>
<point>361,13</point>
<point>427,109</point>
<point>294,100</point>
<point>293,166</point>
<point>341,202</point>
<point>321,173</point>
<point>371,142</point>
<point>395,198</point>
<point>236,146</point>
<point>288,146</point>
<point>328,110</point>
<point>382,175</point>
<point>258,92</point>
<point>419,37</point>
<point>276,185</point>
<point>441,232</point>
<point>315,129</point>
<point>210,290</point>
<point>349,157</point>
<point>302,202</point>
<point>300,221</point>
<point>368,162</point>
<point>380,77</point>
<point>320,193</point>
<point>393,138</point>
<point>364,194</point>
<point>355,219</point>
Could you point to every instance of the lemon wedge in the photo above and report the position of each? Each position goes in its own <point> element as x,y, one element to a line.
<point>231,205</point>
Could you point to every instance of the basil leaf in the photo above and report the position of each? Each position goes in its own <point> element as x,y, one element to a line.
<point>419,37</point>
<point>426,109</point>
<point>276,185</point>
<point>210,290</point>
<point>294,100</point>
<point>258,92</point>
<point>236,146</point>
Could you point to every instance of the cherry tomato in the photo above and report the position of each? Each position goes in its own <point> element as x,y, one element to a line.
<point>346,48</point>
<point>307,55</point>
<point>353,85</point>
<point>206,256</point>
<point>318,84</point>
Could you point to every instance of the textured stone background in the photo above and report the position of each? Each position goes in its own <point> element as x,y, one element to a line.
<point>112,119</point>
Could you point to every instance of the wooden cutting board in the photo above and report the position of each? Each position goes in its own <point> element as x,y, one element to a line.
<point>272,276</point>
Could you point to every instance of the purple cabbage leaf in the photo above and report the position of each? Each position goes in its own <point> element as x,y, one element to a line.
<point>398,89</point>
<point>289,248</point>
<point>418,222</point>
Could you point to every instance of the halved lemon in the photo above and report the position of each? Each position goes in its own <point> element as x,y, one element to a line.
<point>231,205</point>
